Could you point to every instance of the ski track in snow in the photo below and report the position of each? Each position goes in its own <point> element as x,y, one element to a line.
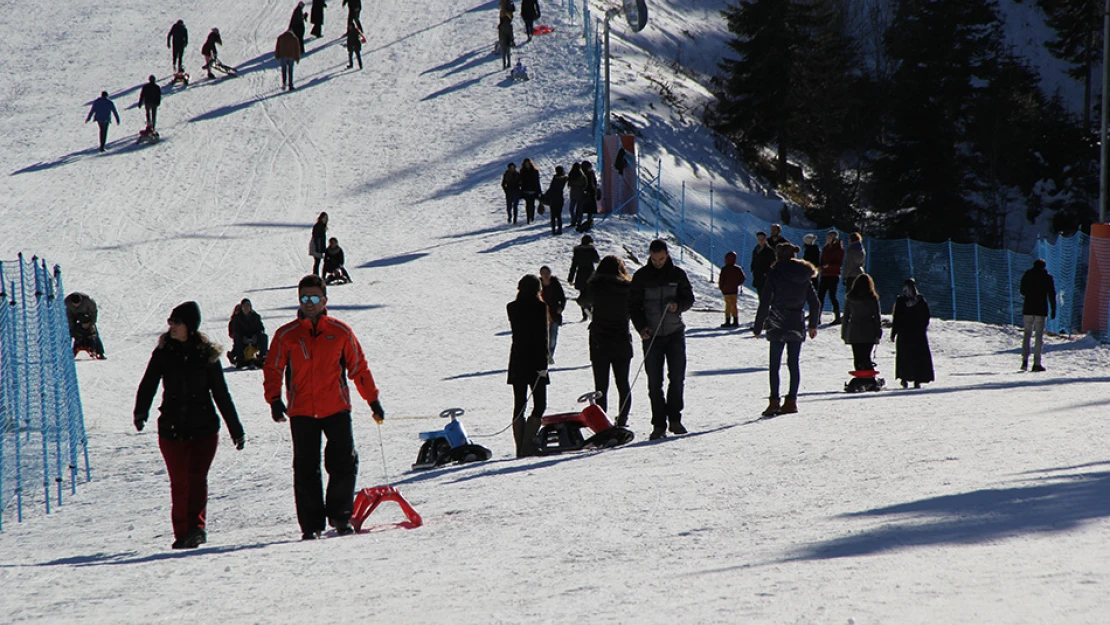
<point>978,499</point>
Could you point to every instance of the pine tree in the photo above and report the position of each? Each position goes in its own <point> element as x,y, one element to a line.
<point>1078,26</point>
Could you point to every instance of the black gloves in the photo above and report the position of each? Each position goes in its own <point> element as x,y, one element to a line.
<point>377,410</point>
<point>277,411</point>
<point>240,441</point>
<point>140,420</point>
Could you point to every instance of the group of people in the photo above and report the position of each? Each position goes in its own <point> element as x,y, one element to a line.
<point>290,47</point>
<point>328,258</point>
<point>524,184</point>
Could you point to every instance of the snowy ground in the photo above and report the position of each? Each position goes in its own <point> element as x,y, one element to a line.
<point>979,499</point>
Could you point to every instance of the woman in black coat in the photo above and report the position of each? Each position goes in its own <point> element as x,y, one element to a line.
<point>554,199</point>
<point>528,359</point>
<point>581,268</point>
<point>319,242</point>
<point>862,327</point>
<point>188,366</point>
<point>576,189</point>
<point>317,17</point>
<point>529,12</point>
<point>590,193</point>
<point>296,23</point>
<point>529,187</point>
<point>909,333</point>
<point>610,339</point>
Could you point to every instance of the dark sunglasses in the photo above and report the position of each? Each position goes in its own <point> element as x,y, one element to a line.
<point>173,321</point>
<point>315,299</point>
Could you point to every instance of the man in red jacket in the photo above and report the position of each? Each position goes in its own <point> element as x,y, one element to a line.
<point>313,353</point>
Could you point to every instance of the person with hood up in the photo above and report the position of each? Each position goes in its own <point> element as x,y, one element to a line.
<point>1039,290</point>
<point>316,17</point>
<point>177,40</point>
<point>188,366</point>
<point>287,51</point>
<point>530,188</point>
<point>610,340</point>
<point>776,237</point>
<point>787,293</point>
<point>81,312</point>
<point>732,276</point>
<point>528,358</point>
<point>582,263</point>
<point>832,257</point>
<point>102,111</point>
<point>855,258</point>
<point>510,184</point>
<point>556,300</point>
<point>311,355</point>
<point>296,24</point>
<point>554,199</point>
<point>909,328</point>
<point>150,97</point>
<point>812,255</point>
<point>863,323</point>
<point>658,295</point>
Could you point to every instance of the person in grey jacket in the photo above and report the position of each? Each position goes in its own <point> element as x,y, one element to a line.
<point>659,294</point>
<point>786,294</point>
<point>862,327</point>
<point>855,257</point>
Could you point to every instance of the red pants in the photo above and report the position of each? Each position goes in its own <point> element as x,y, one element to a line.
<point>187,463</point>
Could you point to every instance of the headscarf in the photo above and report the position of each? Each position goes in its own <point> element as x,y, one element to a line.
<point>909,293</point>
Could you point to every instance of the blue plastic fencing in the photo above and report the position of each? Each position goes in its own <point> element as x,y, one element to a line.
<point>42,426</point>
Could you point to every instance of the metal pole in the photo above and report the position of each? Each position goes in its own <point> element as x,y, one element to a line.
<point>608,14</point>
<point>1010,282</point>
<point>711,256</point>
<point>658,195</point>
<point>952,277</point>
<point>682,248</point>
<point>1104,133</point>
<point>978,301</point>
<point>909,252</point>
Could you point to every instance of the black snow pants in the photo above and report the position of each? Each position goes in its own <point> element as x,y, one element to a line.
<point>340,461</point>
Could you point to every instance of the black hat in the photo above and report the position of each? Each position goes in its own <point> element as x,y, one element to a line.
<point>188,314</point>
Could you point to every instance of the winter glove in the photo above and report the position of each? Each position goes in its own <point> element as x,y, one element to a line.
<point>277,411</point>
<point>140,420</point>
<point>377,411</point>
<point>240,442</point>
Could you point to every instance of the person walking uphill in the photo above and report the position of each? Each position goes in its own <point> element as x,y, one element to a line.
<point>782,304</point>
<point>150,97</point>
<point>732,276</point>
<point>102,111</point>
<point>510,184</point>
<point>1039,290</point>
<point>312,354</point>
<point>296,24</point>
<point>610,340</point>
<point>188,366</point>
<point>316,17</point>
<point>530,188</point>
<point>581,268</point>
<point>528,359</point>
<point>909,333</point>
<point>177,40</point>
<point>658,295</point>
<point>529,12</point>
<point>554,199</point>
<point>832,257</point>
<point>287,51</point>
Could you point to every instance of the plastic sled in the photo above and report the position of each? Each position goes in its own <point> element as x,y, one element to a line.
<point>148,135</point>
<point>542,30</point>
<point>368,499</point>
<point>448,445</point>
<point>864,381</point>
<point>180,77</point>
<point>562,432</point>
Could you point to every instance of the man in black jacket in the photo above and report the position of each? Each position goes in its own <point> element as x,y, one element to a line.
<point>1039,290</point>
<point>659,294</point>
<point>177,40</point>
<point>763,256</point>
<point>150,98</point>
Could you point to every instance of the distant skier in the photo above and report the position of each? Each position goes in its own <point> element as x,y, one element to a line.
<point>177,40</point>
<point>1039,290</point>
<point>296,24</point>
<point>354,45</point>
<point>530,188</point>
<point>354,8</point>
<point>209,50</point>
<point>909,332</point>
<point>528,358</point>
<point>334,271</point>
<point>863,327</point>
<point>149,99</point>
<point>510,184</point>
<point>556,299</point>
<point>319,243</point>
<point>529,12</point>
<point>81,313</point>
<point>732,276</point>
<point>553,197</point>
<point>316,17</point>
<point>582,264</point>
<point>287,51</point>
<point>102,111</point>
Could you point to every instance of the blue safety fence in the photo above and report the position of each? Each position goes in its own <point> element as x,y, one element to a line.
<point>42,426</point>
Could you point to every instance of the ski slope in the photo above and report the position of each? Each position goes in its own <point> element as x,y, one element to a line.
<point>981,498</point>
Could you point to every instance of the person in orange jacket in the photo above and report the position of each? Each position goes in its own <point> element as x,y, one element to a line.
<point>312,354</point>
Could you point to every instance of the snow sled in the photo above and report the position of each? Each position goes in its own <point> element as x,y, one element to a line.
<point>449,444</point>
<point>368,499</point>
<point>148,135</point>
<point>253,358</point>
<point>542,30</point>
<point>336,277</point>
<point>180,77</point>
<point>864,382</point>
<point>218,66</point>
<point>562,432</point>
<point>519,73</point>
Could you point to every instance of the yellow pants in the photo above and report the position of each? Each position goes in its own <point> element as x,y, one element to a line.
<point>730,307</point>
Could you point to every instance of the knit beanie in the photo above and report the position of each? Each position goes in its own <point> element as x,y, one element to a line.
<point>188,314</point>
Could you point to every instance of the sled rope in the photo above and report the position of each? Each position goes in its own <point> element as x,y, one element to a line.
<point>381,445</point>
<point>642,362</point>
<point>519,415</point>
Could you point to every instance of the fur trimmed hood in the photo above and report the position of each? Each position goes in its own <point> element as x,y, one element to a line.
<point>198,341</point>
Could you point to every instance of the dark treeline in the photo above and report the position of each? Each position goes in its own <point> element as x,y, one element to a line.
<point>911,118</point>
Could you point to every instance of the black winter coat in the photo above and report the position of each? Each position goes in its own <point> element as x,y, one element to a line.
<point>590,193</point>
<point>610,338</point>
<point>812,254</point>
<point>317,14</point>
<point>786,293</point>
<point>652,292</point>
<point>556,300</point>
<point>528,355</point>
<point>909,329</point>
<point>763,258</point>
<point>529,10</point>
<point>247,325</point>
<point>319,241</point>
<point>582,267</point>
<point>554,195</point>
<point>576,182</point>
<point>333,258</point>
<point>354,40</point>
<point>1039,290</point>
<point>510,183</point>
<point>296,22</point>
<point>530,182</point>
<point>863,323</point>
<point>178,36</point>
<point>150,96</point>
<point>191,378</point>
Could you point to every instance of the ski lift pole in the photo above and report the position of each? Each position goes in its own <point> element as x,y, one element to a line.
<point>682,242</point>
<point>658,194</point>
<point>711,256</point>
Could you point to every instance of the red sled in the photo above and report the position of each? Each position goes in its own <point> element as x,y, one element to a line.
<point>542,30</point>
<point>148,134</point>
<point>563,432</point>
<point>863,374</point>
<point>368,499</point>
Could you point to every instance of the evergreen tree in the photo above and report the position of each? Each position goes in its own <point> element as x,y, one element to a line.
<point>1078,26</point>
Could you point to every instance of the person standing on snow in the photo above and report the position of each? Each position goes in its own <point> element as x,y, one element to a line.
<point>505,41</point>
<point>317,18</point>
<point>812,255</point>
<point>102,111</point>
<point>149,99</point>
<point>528,358</point>
<point>318,244</point>
<point>556,300</point>
<point>782,303</point>
<point>554,199</point>
<point>188,366</point>
<point>863,323</point>
<point>776,237</point>
<point>763,258</point>
<point>581,268</point>
<point>354,45</point>
<point>576,185</point>
<point>1039,290</point>
<point>590,195</point>
<point>659,294</point>
<point>909,332</point>
<point>312,354</point>
<point>529,12</point>
<point>610,340</point>
<point>530,188</point>
<point>354,8</point>
<point>832,257</point>
<point>855,257</point>
<point>732,276</point>
<point>296,24</point>
<point>210,52</point>
<point>287,51</point>
<point>510,184</point>
<point>177,40</point>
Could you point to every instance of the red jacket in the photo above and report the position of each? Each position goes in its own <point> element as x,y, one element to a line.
<point>832,257</point>
<point>313,363</point>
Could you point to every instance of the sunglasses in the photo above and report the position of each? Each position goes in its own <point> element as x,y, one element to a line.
<point>173,321</point>
<point>315,299</point>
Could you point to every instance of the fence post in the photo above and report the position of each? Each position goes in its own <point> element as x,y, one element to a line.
<point>867,257</point>
<point>1010,282</point>
<point>952,277</point>
<point>909,253</point>
<point>712,256</point>
<point>682,244</point>
<point>978,301</point>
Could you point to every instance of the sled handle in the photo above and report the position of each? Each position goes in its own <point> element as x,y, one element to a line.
<point>591,397</point>
<point>451,413</point>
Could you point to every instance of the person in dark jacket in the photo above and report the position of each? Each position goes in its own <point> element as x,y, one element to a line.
<point>209,50</point>
<point>510,184</point>
<point>354,9</point>
<point>763,258</point>
<point>832,257</point>
<point>1039,290</point>
<point>732,276</point>
<point>150,97</point>
<point>909,333</point>
<point>530,188</point>
<point>553,197</point>
<point>529,12</point>
<point>505,43</point>
<point>776,237</point>
<point>188,366</point>
<point>812,255</point>
<point>81,312</point>
<point>610,340</point>
<point>318,244</point>
<point>590,194</point>
<point>556,300</point>
<point>786,294</point>
<point>334,262</point>
<point>246,329</point>
<point>528,362</point>
<point>659,294</point>
<point>354,45</point>
<point>581,268</point>
<point>177,40</point>
<point>855,258</point>
<point>102,111</point>
<point>296,24</point>
<point>287,51</point>
<point>576,186</point>
<point>316,17</point>
<point>863,323</point>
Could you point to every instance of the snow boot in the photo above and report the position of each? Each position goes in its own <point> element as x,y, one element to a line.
<point>772,407</point>
<point>1037,369</point>
<point>789,405</point>
<point>676,427</point>
<point>657,434</point>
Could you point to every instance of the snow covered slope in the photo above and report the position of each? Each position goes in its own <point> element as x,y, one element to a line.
<point>979,499</point>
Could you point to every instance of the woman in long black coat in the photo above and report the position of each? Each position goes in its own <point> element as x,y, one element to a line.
<point>317,17</point>
<point>528,359</point>
<point>530,188</point>
<point>610,339</point>
<point>188,366</point>
<point>909,333</point>
<point>581,268</point>
<point>862,327</point>
<point>318,244</point>
<point>296,23</point>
